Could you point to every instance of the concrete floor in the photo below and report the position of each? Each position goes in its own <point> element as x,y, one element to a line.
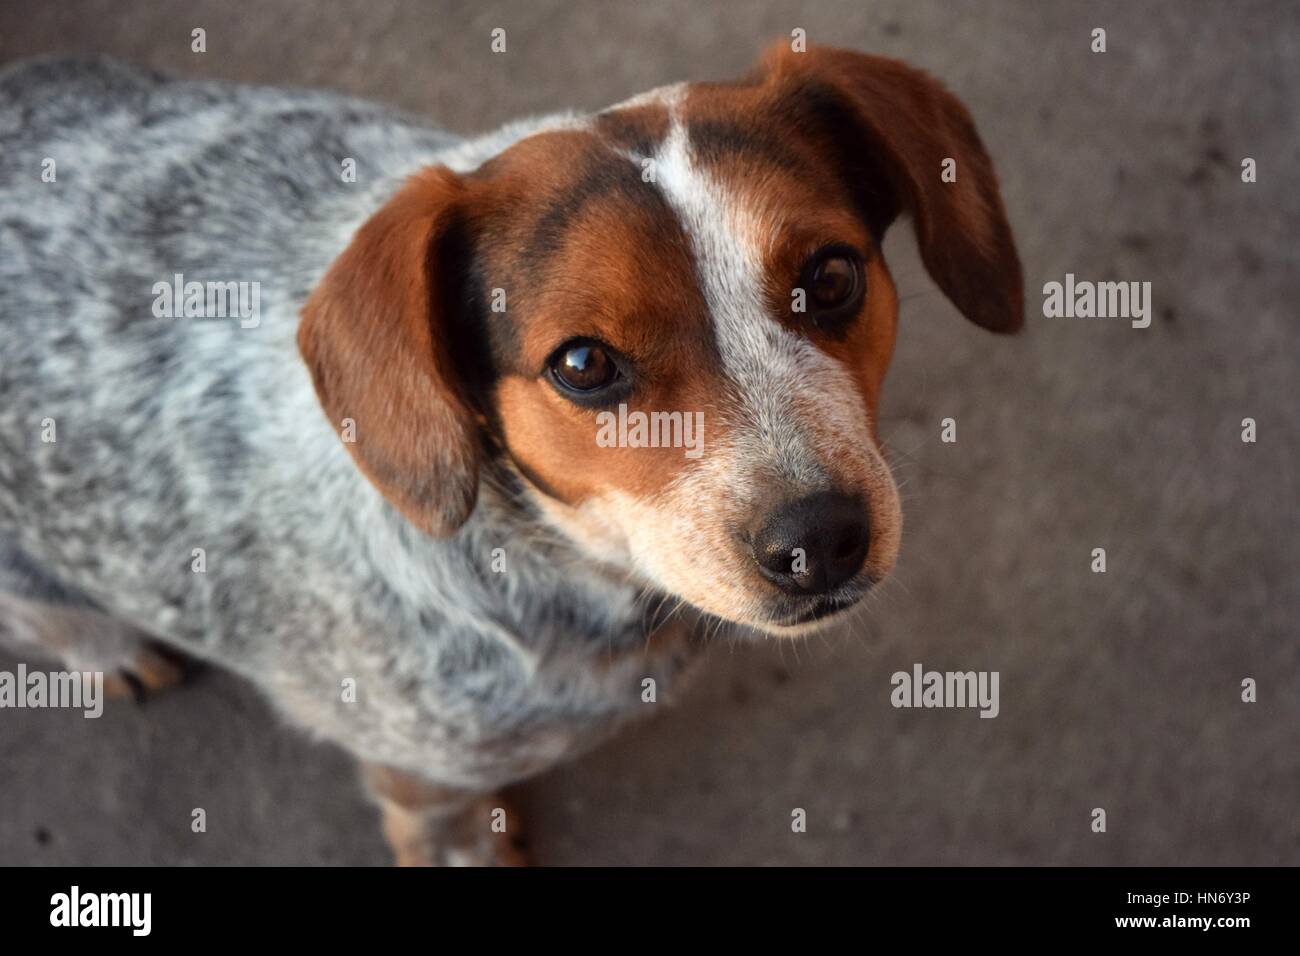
<point>1119,691</point>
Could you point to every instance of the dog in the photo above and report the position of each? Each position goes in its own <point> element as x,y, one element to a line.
<point>381,499</point>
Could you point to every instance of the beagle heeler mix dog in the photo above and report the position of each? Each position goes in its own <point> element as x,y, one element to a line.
<point>382,502</point>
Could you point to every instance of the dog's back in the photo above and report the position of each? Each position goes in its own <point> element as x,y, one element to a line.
<point>156,427</point>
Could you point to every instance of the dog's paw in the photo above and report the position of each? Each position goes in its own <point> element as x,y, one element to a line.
<point>508,844</point>
<point>149,671</point>
<point>487,833</point>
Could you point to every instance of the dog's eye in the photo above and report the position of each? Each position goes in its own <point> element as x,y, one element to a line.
<point>583,366</point>
<point>833,281</point>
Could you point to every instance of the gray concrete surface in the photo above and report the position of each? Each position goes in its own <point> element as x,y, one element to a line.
<point>1119,690</point>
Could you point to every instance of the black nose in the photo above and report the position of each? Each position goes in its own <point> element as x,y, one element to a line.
<point>814,544</point>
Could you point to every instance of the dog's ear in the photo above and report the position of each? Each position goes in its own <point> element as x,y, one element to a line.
<point>377,334</point>
<point>894,131</point>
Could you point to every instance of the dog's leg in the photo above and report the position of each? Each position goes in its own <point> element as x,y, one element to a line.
<point>41,615</point>
<point>86,639</point>
<point>427,824</point>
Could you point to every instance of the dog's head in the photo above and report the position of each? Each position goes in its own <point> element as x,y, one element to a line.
<point>703,254</point>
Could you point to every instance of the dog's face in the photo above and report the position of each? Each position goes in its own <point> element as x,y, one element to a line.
<point>673,322</point>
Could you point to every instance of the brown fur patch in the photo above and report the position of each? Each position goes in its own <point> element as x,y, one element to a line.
<point>617,268</point>
<point>880,119</point>
<point>637,130</point>
<point>374,336</point>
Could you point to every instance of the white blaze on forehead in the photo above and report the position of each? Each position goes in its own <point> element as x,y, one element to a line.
<point>779,377</point>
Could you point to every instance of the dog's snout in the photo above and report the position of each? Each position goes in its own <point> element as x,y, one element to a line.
<point>814,544</point>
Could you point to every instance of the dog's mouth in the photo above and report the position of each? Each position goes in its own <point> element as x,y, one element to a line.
<point>821,609</point>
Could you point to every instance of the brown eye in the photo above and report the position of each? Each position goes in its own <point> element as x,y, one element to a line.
<point>583,366</point>
<point>833,280</point>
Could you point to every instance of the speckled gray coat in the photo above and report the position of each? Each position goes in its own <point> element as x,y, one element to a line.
<point>175,434</point>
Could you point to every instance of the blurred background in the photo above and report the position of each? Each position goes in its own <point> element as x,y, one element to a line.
<point>1119,690</point>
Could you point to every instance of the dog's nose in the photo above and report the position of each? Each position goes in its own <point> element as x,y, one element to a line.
<point>814,544</point>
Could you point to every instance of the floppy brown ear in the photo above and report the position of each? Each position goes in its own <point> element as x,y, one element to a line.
<point>376,336</point>
<point>888,121</point>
